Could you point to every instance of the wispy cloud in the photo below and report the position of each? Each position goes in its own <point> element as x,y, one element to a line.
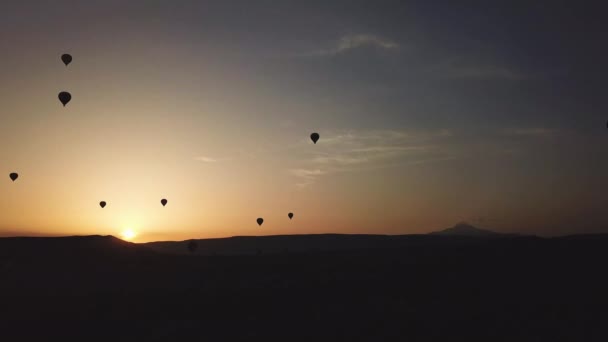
<point>359,151</point>
<point>307,173</point>
<point>205,159</point>
<point>307,177</point>
<point>342,160</point>
<point>391,149</point>
<point>350,42</point>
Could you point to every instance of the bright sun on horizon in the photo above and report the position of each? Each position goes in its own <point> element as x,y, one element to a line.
<point>171,122</point>
<point>128,234</point>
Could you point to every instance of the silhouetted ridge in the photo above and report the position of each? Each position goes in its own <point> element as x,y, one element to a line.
<point>295,243</point>
<point>74,246</point>
<point>465,229</point>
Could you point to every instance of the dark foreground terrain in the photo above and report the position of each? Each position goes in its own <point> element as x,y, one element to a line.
<point>417,288</point>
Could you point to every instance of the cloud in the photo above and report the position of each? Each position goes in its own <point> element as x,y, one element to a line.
<point>343,160</point>
<point>367,150</point>
<point>350,42</point>
<point>205,159</point>
<point>307,173</point>
<point>307,176</point>
<point>390,149</point>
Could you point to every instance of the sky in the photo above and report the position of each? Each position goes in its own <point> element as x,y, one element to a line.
<point>429,113</point>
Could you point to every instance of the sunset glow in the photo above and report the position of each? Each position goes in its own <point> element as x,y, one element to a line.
<point>128,234</point>
<point>214,111</point>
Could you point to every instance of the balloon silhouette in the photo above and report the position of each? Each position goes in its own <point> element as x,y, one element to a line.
<point>260,221</point>
<point>102,204</point>
<point>192,246</point>
<point>290,215</point>
<point>14,176</point>
<point>314,137</point>
<point>66,59</point>
<point>64,97</point>
<point>163,202</point>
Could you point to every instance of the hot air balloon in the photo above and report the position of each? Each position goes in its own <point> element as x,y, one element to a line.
<point>14,176</point>
<point>290,215</point>
<point>102,204</point>
<point>163,202</point>
<point>260,221</point>
<point>192,246</point>
<point>64,97</point>
<point>66,59</point>
<point>314,137</point>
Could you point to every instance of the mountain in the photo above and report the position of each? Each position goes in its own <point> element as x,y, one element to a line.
<point>465,229</point>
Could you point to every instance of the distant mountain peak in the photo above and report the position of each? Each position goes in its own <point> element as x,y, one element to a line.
<point>465,229</point>
<point>464,225</point>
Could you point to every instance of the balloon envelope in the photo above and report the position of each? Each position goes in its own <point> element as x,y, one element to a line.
<point>192,246</point>
<point>314,137</point>
<point>163,202</point>
<point>66,59</point>
<point>260,221</point>
<point>290,215</point>
<point>13,176</point>
<point>64,97</point>
<point>102,204</point>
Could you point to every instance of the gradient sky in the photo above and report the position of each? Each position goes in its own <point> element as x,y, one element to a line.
<point>430,113</point>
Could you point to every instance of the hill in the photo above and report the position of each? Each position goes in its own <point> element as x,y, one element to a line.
<point>69,247</point>
<point>359,287</point>
<point>249,245</point>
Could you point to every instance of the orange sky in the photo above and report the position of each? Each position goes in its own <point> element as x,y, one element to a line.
<point>217,120</point>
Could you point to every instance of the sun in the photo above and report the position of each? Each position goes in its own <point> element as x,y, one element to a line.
<point>128,234</point>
